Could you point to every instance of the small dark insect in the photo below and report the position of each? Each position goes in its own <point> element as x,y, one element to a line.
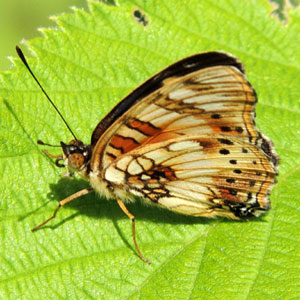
<point>140,17</point>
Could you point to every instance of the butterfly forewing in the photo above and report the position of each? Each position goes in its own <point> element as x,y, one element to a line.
<point>216,99</point>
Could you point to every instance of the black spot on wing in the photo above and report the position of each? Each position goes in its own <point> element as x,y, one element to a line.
<point>225,141</point>
<point>215,116</point>
<point>230,180</point>
<point>224,151</point>
<point>225,128</point>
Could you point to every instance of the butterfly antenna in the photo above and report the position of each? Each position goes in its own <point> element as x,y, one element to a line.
<point>22,57</point>
<point>46,144</point>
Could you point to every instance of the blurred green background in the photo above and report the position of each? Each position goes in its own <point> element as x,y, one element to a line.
<point>20,19</point>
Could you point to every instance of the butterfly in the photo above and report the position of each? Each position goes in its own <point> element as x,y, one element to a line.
<point>184,140</point>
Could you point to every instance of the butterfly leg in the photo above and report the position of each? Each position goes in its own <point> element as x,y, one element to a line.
<point>131,217</point>
<point>62,203</point>
<point>52,155</point>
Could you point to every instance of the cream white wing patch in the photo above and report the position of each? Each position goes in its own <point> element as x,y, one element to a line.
<point>198,175</point>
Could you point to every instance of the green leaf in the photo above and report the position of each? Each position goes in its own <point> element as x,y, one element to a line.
<point>87,64</point>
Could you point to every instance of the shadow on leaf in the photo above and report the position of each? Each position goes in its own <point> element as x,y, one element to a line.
<point>96,206</point>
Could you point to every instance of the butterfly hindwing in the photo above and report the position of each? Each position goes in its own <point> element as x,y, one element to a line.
<point>197,175</point>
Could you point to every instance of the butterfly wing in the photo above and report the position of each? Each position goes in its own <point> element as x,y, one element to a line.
<point>197,175</point>
<point>206,93</point>
<point>186,139</point>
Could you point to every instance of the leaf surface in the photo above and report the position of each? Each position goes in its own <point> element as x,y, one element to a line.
<point>90,62</point>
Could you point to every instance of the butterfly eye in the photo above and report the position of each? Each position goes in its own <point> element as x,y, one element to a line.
<point>75,161</point>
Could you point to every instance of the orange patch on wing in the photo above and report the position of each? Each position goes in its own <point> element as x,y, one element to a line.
<point>227,195</point>
<point>163,137</point>
<point>143,127</point>
<point>169,174</point>
<point>123,144</point>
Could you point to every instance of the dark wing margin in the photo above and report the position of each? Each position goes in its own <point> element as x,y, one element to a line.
<point>180,68</point>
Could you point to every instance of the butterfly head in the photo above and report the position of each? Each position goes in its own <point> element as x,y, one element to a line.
<point>76,157</point>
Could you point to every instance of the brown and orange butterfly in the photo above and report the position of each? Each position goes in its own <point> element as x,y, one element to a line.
<point>184,140</point>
